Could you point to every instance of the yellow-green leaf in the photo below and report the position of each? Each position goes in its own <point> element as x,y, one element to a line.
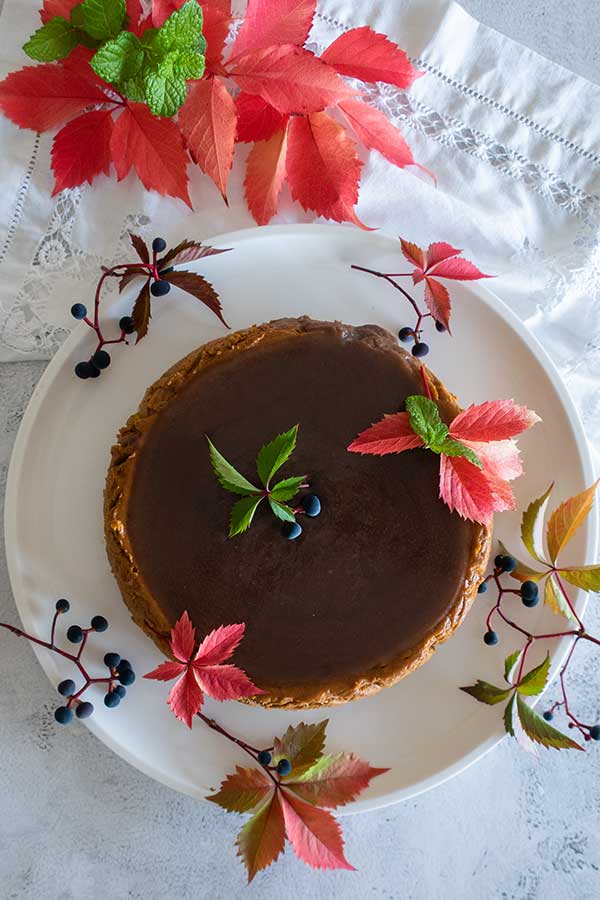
<point>554,598</point>
<point>585,577</point>
<point>535,680</point>
<point>508,716</point>
<point>509,665</point>
<point>262,838</point>
<point>302,745</point>
<point>523,572</point>
<point>536,728</point>
<point>529,521</point>
<point>243,790</point>
<point>566,519</point>
<point>486,692</point>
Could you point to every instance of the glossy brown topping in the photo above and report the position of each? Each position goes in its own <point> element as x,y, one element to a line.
<point>378,570</point>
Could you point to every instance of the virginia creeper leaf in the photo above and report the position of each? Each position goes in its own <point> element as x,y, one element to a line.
<point>227,476</point>
<point>585,577</point>
<point>567,518</point>
<point>81,149</point>
<point>534,513</point>
<point>265,174</point>
<point>365,54</point>
<point>486,692</point>
<point>142,312</point>
<point>273,455</point>
<point>242,791</point>
<point>314,834</point>
<point>198,287</point>
<point>262,838</point>
<point>534,681</point>
<point>540,731</point>
<point>208,124</point>
<point>333,780</point>
<point>269,22</point>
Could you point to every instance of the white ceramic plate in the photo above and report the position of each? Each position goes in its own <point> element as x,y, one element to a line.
<point>424,729</point>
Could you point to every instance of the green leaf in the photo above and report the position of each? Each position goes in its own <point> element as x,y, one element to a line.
<point>273,455</point>
<point>554,598</point>
<point>529,521</point>
<point>585,577</point>
<point>189,64</point>
<point>242,514</point>
<point>76,17</point>
<point>52,41</point>
<point>523,572</point>
<point>120,59</point>
<point>262,838</point>
<point>282,511</point>
<point>486,692</point>
<point>508,715</point>
<point>135,89</point>
<point>288,488</point>
<point>535,680</point>
<point>181,31</point>
<point>103,19</point>
<point>540,731</point>
<point>509,664</point>
<point>164,96</point>
<point>426,422</point>
<point>302,745</point>
<point>227,476</point>
<point>454,448</point>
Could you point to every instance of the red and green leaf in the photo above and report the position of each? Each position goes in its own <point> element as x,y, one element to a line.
<point>242,791</point>
<point>262,838</point>
<point>81,150</point>
<point>199,288</point>
<point>333,780</point>
<point>188,251</point>
<point>302,745</point>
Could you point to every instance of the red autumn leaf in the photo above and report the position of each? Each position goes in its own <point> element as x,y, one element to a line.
<point>186,697</point>
<point>494,420</point>
<point>167,671</point>
<point>81,150</point>
<point>334,780</point>
<point>224,682</point>
<point>439,251</point>
<point>323,170</point>
<point>129,276</point>
<point>134,11</point>
<point>243,790</point>
<point>40,97</point>
<point>257,120</point>
<point>437,300</point>
<point>78,61</point>
<point>215,28</point>
<point>265,174</point>
<point>269,22</point>
<point>291,79</point>
<point>392,434</point>
<point>162,9</point>
<point>500,458</point>
<point>142,312</point>
<point>183,638</point>
<point>412,253</point>
<point>140,247</point>
<point>219,645</point>
<point>457,269</point>
<point>208,123</point>
<point>365,54</point>
<point>198,287</point>
<point>53,8</point>
<point>314,834</point>
<point>466,489</point>
<point>188,251</point>
<point>262,838</point>
<point>376,132</point>
<point>154,147</point>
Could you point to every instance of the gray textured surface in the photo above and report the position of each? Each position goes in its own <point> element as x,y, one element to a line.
<point>79,824</point>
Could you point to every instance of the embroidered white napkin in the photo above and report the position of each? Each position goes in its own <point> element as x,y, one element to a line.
<point>510,136</point>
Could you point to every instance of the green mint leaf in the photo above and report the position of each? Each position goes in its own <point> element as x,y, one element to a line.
<point>425,421</point>
<point>273,455</point>
<point>181,31</point>
<point>183,63</point>
<point>164,96</point>
<point>242,514</point>
<point>540,731</point>
<point>486,692</point>
<point>508,716</point>
<point>103,19</point>
<point>282,511</point>
<point>76,17</point>
<point>288,488</point>
<point>119,59</point>
<point>134,89</point>
<point>454,448</point>
<point>52,41</point>
<point>534,681</point>
<point>227,476</point>
<point>509,664</point>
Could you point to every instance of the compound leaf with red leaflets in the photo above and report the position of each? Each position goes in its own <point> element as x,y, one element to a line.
<point>81,149</point>
<point>365,54</point>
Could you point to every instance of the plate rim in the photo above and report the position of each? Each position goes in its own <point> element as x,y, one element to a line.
<point>15,471</point>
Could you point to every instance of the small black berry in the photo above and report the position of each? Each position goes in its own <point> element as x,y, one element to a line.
<point>112,699</point>
<point>529,589</point>
<point>490,638</point>
<point>84,710</point>
<point>311,505</point>
<point>101,359</point>
<point>482,588</point>
<point>63,715</point>
<point>63,606</point>
<point>74,634</point>
<point>284,767</point>
<point>595,732</point>
<point>548,715</point>
<point>406,334</point>
<point>99,623</point>
<point>509,563</point>
<point>66,687</point>
<point>440,327</point>
<point>159,244</point>
<point>264,757</point>
<point>78,311</point>
<point>167,270</point>
<point>94,371</point>
<point>124,666</point>
<point>127,677</point>
<point>120,690</point>
<point>420,349</point>
<point>160,288</point>
<point>291,530</point>
<point>126,325</point>
<point>498,561</point>
<point>112,660</point>
<point>84,370</point>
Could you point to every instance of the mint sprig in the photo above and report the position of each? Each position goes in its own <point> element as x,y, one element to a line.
<point>425,421</point>
<point>270,459</point>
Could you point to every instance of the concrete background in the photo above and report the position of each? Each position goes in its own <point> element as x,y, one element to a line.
<point>77,823</point>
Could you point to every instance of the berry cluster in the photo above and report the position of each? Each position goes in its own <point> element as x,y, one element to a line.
<point>310,505</point>
<point>120,672</point>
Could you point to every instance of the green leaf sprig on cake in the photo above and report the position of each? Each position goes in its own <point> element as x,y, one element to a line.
<point>270,459</point>
<point>156,265</point>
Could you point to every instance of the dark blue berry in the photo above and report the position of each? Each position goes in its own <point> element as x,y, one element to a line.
<point>406,334</point>
<point>482,588</point>
<point>74,634</point>
<point>498,561</point>
<point>509,563</point>
<point>595,732</point>
<point>530,594</point>
<point>112,699</point>
<point>126,325</point>
<point>127,677</point>
<point>84,710</point>
<point>84,370</point>
<point>440,327</point>
<point>120,690</point>
<point>167,270</point>
<point>291,530</point>
<point>264,758</point>
<point>159,244</point>
<point>311,505</point>
<point>548,715</point>
<point>63,606</point>
<point>124,666</point>
<point>490,638</point>
<point>78,311</point>
<point>284,767</point>
<point>66,687</point>
<point>420,349</point>
<point>160,288</point>
<point>112,660</point>
<point>99,623</point>
<point>101,359</point>
<point>94,371</point>
<point>63,715</point>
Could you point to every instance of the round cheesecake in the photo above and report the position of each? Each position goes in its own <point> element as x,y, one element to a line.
<point>372,585</point>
